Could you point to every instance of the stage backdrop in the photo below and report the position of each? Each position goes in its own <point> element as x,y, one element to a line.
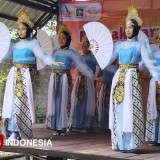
<point>111,13</point>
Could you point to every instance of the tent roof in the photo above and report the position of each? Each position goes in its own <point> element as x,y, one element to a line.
<point>40,12</point>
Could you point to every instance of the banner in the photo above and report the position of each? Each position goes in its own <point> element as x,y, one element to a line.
<point>80,12</point>
<point>111,13</point>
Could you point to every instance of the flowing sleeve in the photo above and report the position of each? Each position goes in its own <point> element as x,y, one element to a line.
<point>115,52</point>
<point>149,61</point>
<point>142,66</point>
<point>47,59</point>
<point>112,69</point>
<point>7,55</point>
<point>53,54</point>
<point>81,65</point>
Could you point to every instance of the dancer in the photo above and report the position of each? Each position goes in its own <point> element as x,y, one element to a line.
<point>153,105</point>
<point>59,92</point>
<point>126,117</point>
<point>83,94</point>
<point>18,107</point>
<point>104,95</point>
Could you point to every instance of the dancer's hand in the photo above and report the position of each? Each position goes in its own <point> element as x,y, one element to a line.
<point>58,64</point>
<point>99,78</point>
<point>90,47</point>
<point>95,78</point>
<point>158,83</point>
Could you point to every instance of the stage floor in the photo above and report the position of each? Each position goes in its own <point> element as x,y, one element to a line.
<point>95,146</point>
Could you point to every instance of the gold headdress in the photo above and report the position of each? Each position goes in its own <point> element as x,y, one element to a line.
<point>85,41</point>
<point>23,18</point>
<point>157,34</point>
<point>84,38</point>
<point>63,27</point>
<point>133,14</point>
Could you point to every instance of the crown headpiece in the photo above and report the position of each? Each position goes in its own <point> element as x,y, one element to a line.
<point>85,41</point>
<point>133,14</point>
<point>63,27</point>
<point>157,33</point>
<point>23,18</point>
<point>84,38</point>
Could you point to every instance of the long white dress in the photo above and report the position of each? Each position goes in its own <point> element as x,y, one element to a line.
<point>153,108</point>
<point>126,117</point>
<point>18,106</point>
<point>59,90</point>
<point>104,95</point>
<point>83,98</point>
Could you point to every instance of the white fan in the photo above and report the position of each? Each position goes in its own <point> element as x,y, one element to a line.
<point>154,47</point>
<point>56,45</point>
<point>46,45</point>
<point>142,36</point>
<point>101,39</point>
<point>4,39</point>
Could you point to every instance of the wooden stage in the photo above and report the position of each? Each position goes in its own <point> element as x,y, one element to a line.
<point>90,146</point>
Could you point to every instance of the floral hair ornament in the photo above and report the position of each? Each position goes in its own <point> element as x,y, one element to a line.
<point>133,15</point>
<point>24,18</point>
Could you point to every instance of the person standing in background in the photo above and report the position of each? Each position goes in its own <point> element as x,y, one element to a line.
<point>83,94</point>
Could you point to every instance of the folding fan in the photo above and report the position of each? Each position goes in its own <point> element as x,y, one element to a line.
<point>4,39</point>
<point>142,36</point>
<point>56,45</point>
<point>101,39</point>
<point>46,45</point>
